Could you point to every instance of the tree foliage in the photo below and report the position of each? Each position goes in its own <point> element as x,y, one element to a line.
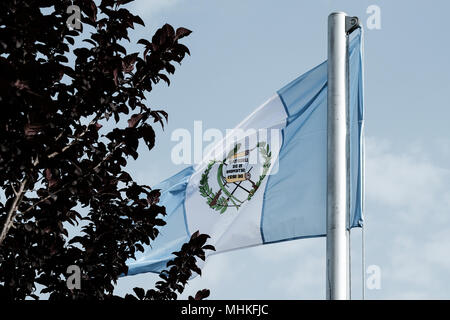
<point>64,149</point>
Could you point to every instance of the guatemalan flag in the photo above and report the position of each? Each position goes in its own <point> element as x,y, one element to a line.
<point>266,181</point>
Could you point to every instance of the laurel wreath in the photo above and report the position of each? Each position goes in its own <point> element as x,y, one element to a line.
<point>221,204</point>
<point>267,155</point>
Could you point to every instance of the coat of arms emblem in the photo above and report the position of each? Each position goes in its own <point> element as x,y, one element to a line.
<point>237,178</point>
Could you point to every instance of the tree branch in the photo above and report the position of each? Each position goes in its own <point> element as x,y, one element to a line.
<point>77,138</point>
<point>13,210</point>
<point>15,205</point>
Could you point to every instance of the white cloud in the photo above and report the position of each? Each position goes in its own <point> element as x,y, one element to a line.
<point>405,180</point>
<point>408,198</point>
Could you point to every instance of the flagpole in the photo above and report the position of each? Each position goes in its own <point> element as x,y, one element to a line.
<point>338,240</point>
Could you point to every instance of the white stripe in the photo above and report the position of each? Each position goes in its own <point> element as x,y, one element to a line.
<point>234,228</point>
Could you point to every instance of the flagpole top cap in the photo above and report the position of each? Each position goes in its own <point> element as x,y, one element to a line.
<point>338,13</point>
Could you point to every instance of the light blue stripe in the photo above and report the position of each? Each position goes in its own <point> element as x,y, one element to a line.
<point>174,234</point>
<point>295,200</point>
<point>356,113</point>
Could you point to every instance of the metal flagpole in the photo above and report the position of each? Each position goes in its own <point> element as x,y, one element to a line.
<point>338,270</point>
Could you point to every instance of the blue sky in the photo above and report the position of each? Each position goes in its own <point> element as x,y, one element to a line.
<point>241,53</point>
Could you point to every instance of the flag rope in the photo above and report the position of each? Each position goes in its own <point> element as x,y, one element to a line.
<point>363,182</point>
